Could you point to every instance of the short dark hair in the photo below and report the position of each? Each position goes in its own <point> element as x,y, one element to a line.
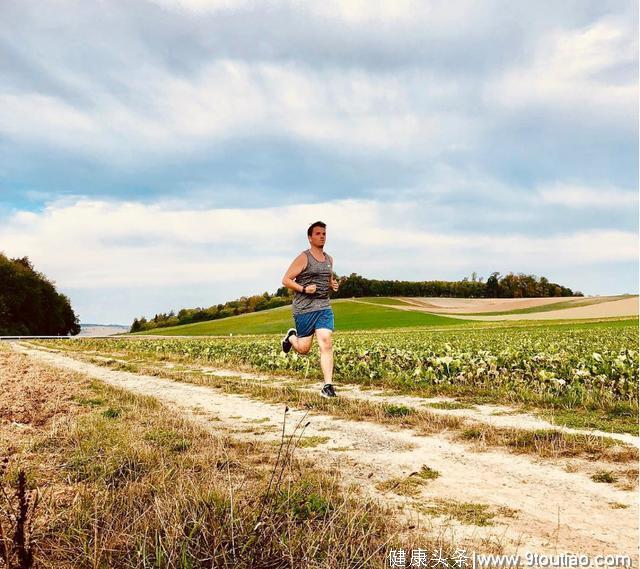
<point>316,224</point>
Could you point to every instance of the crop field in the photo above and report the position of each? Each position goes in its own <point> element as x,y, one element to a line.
<point>573,367</point>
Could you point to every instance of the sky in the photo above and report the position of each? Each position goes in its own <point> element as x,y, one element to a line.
<point>163,154</point>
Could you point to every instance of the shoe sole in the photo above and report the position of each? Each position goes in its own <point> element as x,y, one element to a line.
<point>286,339</point>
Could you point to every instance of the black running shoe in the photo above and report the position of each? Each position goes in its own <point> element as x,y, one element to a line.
<point>286,345</point>
<point>328,391</point>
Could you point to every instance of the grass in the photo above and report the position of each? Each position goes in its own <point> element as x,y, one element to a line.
<point>604,476</point>
<point>391,410</point>
<point>544,443</point>
<point>551,443</point>
<point>450,405</point>
<point>145,488</point>
<point>467,513</point>
<point>312,441</point>
<point>620,418</point>
<point>409,485</point>
<point>348,315</point>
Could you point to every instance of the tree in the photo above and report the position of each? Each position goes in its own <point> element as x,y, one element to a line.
<point>30,303</point>
<point>492,286</point>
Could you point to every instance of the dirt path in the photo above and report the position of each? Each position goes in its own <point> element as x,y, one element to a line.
<point>539,506</point>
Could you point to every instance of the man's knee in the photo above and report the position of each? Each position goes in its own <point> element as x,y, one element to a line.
<point>325,343</point>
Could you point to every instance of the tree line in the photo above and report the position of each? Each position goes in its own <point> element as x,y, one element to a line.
<point>241,305</point>
<point>30,304</point>
<point>507,286</point>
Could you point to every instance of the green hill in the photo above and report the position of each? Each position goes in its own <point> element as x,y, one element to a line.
<point>349,315</point>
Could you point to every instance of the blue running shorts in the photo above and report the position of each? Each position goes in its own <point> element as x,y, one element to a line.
<point>308,323</point>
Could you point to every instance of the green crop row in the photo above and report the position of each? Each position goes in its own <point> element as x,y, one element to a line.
<point>579,365</point>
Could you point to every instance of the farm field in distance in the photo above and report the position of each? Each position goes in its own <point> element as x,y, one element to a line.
<point>349,315</point>
<point>370,313</point>
<point>542,308</point>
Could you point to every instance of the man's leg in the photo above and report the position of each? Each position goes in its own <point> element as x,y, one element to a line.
<point>325,343</point>
<point>301,345</point>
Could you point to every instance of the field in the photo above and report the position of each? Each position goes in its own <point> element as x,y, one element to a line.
<point>549,308</point>
<point>371,313</point>
<point>447,436</point>
<point>349,315</point>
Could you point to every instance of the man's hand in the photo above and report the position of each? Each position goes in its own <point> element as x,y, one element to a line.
<point>310,289</point>
<point>334,284</point>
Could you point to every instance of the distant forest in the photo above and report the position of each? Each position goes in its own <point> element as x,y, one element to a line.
<point>496,286</point>
<point>30,304</point>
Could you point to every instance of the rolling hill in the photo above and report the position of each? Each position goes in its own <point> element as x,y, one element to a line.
<point>349,315</point>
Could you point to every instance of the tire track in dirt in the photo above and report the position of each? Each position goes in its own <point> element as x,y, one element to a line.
<point>556,511</point>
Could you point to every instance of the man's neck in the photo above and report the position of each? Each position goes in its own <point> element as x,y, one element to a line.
<point>317,251</point>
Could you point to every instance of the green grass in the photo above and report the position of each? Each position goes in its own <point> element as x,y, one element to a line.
<point>465,512</point>
<point>604,476</point>
<point>397,410</point>
<point>349,315</point>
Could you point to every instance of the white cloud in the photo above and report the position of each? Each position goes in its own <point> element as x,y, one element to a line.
<point>203,5</point>
<point>565,72</point>
<point>584,197</point>
<point>88,244</point>
<point>354,11</point>
<point>358,111</point>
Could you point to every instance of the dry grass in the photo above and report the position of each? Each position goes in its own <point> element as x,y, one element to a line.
<point>550,443</point>
<point>126,483</point>
<point>467,513</point>
<point>410,485</point>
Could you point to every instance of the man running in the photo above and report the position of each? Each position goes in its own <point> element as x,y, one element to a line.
<point>310,276</point>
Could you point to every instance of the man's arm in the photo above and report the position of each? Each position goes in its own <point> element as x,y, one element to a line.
<point>298,265</point>
<point>333,283</point>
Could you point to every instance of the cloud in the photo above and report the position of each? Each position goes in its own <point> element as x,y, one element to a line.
<point>585,197</point>
<point>591,69</point>
<point>231,99</point>
<point>416,82</point>
<point>131,244</point>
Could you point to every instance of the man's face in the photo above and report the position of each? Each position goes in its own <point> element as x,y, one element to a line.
<point>318,236</point>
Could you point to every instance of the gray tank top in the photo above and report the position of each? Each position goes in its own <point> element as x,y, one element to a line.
<point>318,273</point>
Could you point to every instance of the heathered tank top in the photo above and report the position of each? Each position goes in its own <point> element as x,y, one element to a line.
<point>318,273</point>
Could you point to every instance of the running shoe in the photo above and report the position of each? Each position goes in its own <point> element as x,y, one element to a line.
<point>286,345</point>
<point>328,391</point>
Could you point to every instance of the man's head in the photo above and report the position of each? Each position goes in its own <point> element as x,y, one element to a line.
<point>317,233</point>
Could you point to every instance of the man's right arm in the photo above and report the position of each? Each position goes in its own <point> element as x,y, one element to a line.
<point>298,265</point>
